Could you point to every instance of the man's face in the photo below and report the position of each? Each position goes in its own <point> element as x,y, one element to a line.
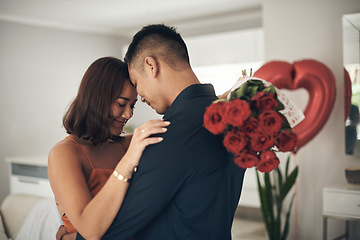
<point>149,90</point>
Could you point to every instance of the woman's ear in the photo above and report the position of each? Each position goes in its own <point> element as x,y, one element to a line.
<point>152,65</point>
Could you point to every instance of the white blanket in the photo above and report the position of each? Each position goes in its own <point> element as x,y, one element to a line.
<point>42,222</point>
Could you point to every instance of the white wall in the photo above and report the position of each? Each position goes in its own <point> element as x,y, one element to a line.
<point>351,40</point>
<point>240,46</point>
<point>40,71</point>
<point>296,30</point>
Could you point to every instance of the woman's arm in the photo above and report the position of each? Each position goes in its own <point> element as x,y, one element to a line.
<point>63,235</point>
<point>93,216</point>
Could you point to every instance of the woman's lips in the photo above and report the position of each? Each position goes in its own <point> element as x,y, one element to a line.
<point>122,123</point>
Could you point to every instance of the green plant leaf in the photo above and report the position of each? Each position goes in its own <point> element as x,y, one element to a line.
<point>220,100</point>
<point>255,82</point>
<point>235,93</point>
<point>265,206</point>
<point>272,195</point>
<point>280,106</point>
<point>287,217</point>
<point>270,89</point>
<point>244,72</point>
<point>289,182</point>
<point>253,90</point>
<point>239,92</point>
<point>269,195</point>
<point>278,191</point>
<point>280,177</point>
<point>286,124</point>
<point>287,166</point>
<point>276,229</point>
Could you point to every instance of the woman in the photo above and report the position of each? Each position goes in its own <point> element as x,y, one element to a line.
<point>89,170</point>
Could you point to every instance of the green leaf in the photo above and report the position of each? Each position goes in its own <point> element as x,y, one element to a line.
<point>287,166</point>
<point>277,195</point>
<point>239,92</point>
<point>289,182</point>
<point>255,82</point>
<point>280,106</point>
<point>286,124</point>
<point>253,90</point>
<point>286,226</point>
<point>265,207</point>
<point>272,195</point>
<point>270,89</point>
<point>277,229</point>
<point>280,177</point>
<point>269,195</point>
<point>220,100</point>
<point>244,72</point>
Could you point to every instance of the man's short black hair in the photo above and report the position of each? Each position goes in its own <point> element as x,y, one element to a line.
<point>158,41</point>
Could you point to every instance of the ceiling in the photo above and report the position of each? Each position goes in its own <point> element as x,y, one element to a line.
<point>124,18</point>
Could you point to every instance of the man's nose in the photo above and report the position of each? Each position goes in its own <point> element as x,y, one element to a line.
<point>142,99</point>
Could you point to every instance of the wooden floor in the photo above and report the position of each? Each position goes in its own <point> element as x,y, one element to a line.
<point>244,229</point>
<point>248,225</point>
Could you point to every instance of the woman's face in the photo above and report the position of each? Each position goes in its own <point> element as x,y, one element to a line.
<point>122,109</point>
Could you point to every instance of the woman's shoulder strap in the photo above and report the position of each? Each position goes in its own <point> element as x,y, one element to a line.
<point>87,155</point>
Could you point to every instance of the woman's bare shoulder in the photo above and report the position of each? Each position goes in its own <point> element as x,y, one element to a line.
<point>63,151</point>
<point>126,140</point>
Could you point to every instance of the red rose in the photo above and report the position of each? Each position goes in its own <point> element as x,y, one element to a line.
<point>264,101</point>
<point>271,121</point>
<point>268,161</point>
<point>286,141</point>
<point>246,159</point>
<point>213,118</point>
<point>236,112</point>
<point>251,127</point>
<point>261,141</point>
<point>235,140</point>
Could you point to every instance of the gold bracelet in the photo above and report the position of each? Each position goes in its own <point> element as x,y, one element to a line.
<point>120,177</point>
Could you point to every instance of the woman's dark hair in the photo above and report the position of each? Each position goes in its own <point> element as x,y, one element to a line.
<point>89,114</point>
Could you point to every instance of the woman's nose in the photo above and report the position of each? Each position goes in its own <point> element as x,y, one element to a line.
<point>142,99</point>
<point>127,113</point>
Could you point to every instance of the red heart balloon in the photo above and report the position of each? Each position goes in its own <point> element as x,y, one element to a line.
<point>314,77</point>
<point>347,92</point>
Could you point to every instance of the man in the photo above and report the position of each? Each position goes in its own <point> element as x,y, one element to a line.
<point>187,186</point>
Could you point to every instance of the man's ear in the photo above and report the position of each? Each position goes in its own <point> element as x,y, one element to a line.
<point>152,65</point>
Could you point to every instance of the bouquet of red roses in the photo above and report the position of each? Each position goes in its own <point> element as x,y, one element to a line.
<point>252,123</point>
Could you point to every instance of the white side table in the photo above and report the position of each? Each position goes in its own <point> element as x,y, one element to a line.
<point>29,175</point>
<point>342,203</point>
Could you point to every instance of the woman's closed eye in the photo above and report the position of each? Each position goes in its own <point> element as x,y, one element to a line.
<point>121,105</point>
<point>132,106</point>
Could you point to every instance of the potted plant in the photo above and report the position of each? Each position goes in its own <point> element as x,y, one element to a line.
<point>273,191</point>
